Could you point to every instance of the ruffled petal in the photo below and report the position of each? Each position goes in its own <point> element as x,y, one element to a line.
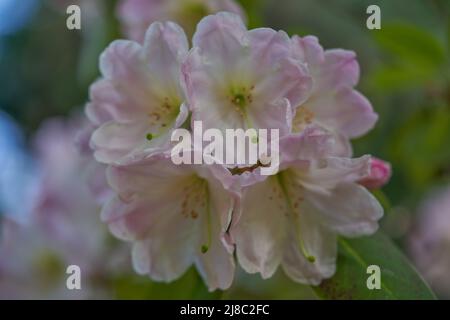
<point>276,115</point>
<point>221,38</point>
<point>345,111</point>
<point>312,143</point>
<point>260,233</point>
<point>174,216</point>
<point>140,100</point>
<point>325,174</point>
<point>277,75</point>
<point>216,266</point>
<point>164,48</point>
<point>114,140</point>
<point>340,68</point>
<point>317,243</point>
<point>309,51</point>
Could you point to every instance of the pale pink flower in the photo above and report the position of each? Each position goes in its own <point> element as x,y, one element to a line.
<point>236,78</point>
<point>30,268</point>
<point>429,241</point>
<point>333,103</point>
<point>64,227</point>
<point>232,78</point>
<point>293,218</point>
<point>380,173</point>
<point>137,15</point>
<point>139,100</point>
<point>175,215</point>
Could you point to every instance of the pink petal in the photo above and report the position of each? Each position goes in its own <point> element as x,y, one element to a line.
<point>260,233</point>
<point>309,51</point>
<point>318,243</point>
<point>340,68</point>
<point>114,140</point>
<point>327,173</point>
<point>348,210</point>
<point>221,38</point>
<point>170,214</point>
<point>164,48</point>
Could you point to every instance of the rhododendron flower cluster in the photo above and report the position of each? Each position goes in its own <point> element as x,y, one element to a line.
<point>63,227</point>
<point>199,214</point>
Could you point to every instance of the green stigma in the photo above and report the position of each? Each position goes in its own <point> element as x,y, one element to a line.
<point>311,259</point>
<point>240,100</point>
<point>149,136</point>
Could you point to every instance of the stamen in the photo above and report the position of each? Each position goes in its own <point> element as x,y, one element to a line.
<point>305,253</point>
<point>241,98</point>
<point>196,204</point>
<point>162,113</point>
<point>303,118</point>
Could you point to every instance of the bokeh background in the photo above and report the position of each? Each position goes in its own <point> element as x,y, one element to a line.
<point>45,73</point>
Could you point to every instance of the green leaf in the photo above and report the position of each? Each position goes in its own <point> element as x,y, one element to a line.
<point>394,78</point>
<point>422,134</point>
<point>418,57</point>
<point>399,279</point>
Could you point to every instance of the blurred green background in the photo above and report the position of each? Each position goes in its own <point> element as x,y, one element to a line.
<point>46,70</point>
